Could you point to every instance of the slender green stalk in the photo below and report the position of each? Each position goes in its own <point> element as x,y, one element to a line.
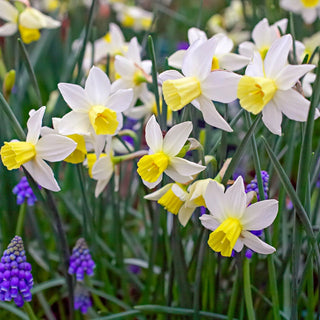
<point>21,216</point>
<point>12,118</point>
<point>29,310</point>
<point>247,289</point>
<point>30,70</point>
<point>234,296</point>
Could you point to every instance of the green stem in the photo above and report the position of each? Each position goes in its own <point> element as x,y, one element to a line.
<point>30,312</point>
<point>247,289</point>
<point>234,296</point>
<point>20,222</point>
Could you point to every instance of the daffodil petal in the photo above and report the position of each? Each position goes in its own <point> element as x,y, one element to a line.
<point>176,59</point>
<point>246,49</point>
<point>176,137</point>
<point>221,86</point>
<point>185,214</point>
<point>290,75</point>
<point>154,136</point>
<point>260,215</point>
<point>292,104</point>
<point>238,245</point>
<point>260,34</point>
<point>185,167</point>
<point>272,118</point>
<point>124,67</point>
<point>42,174</point>
<point>75,122</point>
<point>8,12</point>
<point>97,87</point>
<point>8,29</point>
<point>195,34</point>
<point>159,193</point>
<point>34,19</point>
<point>151,185</point>
<point>101,184</point>
<point>214,199</point>
<point>176,176</point>
<point>102,168</point>
<point>235,198</point>
<point>170,75</point>
<point>256,244</point>
<point>133,52</point>
<point>209,222</point>
<point>120,100</point>
<point>54,147</point>
<point>277,56</point>
<point>34,124</point>
<point>233,62</point>
<point>211,115</point>
<point>74,96</point>
<point>255,68</point>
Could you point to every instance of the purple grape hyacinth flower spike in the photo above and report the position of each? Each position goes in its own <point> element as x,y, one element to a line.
<point>81,261</point>
<point>253,185</point>
<point>16,279</point>
<point>24,192</point>
<point>82,299</point>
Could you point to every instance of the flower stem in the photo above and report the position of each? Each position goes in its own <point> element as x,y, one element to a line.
<point>247,289</point>
<point>30,312</point>
<point>20,222</point>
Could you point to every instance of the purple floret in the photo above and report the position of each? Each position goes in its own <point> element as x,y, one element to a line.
<point>82,299</point>
<point>24,192</point>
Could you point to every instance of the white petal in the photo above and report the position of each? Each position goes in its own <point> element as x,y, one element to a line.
<point>256,244</point>
<point>259,33</point>
<point>120,100</point>
<point>154,136</point>
<point>195,34</point>
<point>34,124</point>
<point>185,214</point>
<point>34,19</point>
<point>176,59</point>
<point>8,29</point>
<point>185,167</point>
<point>97,87</point>
<point>151,185</point>
<point>170,75</point>
<point>8,12</point>
<point>42,174</point>
<point>292,104</point>
<point>74,96</point>
<point>176,137</point>
<point>198,59</point>
<point>238,245</point>
<point>133,52</point>
<point>233,62</point>
<point>214,199</point>
<point>155,196</point>
<point>101,184</point>
<point>290,74</point>
<point>54,147</point>
<point>124,67</point>
<point>102,168</point>
<point>176,176</point>
<point>309,15</point>
<point>209,222</point>
<point>212,116</point>
<point>246,48</point>
<point>276,57</point>
<point>260,215</point>
<point>221,86</point>
<point>272,118</point>
<point>75,122</point>
<point>255,68</point>
<point>235,198</point>
<point>146,65</point>
<point>224,44</point>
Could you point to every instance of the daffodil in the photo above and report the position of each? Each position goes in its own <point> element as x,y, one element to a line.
<point>131,71</point>
<point>263,35</point>
<point>231,219</point>
<point>94,110</point>
<point>223,58</point>
<point>197,84</point>
<point>31,153</point>
<point>309,9</point>
<point>28,22</point>
<point>267,87</point>
<point>163,153</point>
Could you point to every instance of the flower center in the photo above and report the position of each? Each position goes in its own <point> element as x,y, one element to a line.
<point>139,78</point>
<point>103,119</point>
<point>310,3</point>
<point>28,35</point>
<point>16,153</point>
<point>255,92</point>
<point>79,154</point>
<point>151,166</point>
<point>107,37</point>
<point>128,21</point>
<point>224,238</point>
<point>171,202</point>
<point>215,63</point>
<point>179,92</point>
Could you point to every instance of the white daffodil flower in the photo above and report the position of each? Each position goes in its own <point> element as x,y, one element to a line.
<point>309,9</point>
<point>163,153</point>
<point>307,82</point>
<point>263,35</point>
<point>267,87</point>
<point>223,58</point>
<point>28,22</point>
<point>231,219</point>
<point>31,153</point>
<point>196,84</point>
<point>94,110</point>
<point>131,71</point>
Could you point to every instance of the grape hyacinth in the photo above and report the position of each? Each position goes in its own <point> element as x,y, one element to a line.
<point>253,185</point>
<point>16,279</point>
<point>82,299</point>
<point>24,192</point>
<point>81,261</point>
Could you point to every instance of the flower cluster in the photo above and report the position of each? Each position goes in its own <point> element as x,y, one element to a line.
<point>81,262</point>
<point>24,192</point>
<point>82,299</point>
<point>253,185</point>
<point>16,279</point>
